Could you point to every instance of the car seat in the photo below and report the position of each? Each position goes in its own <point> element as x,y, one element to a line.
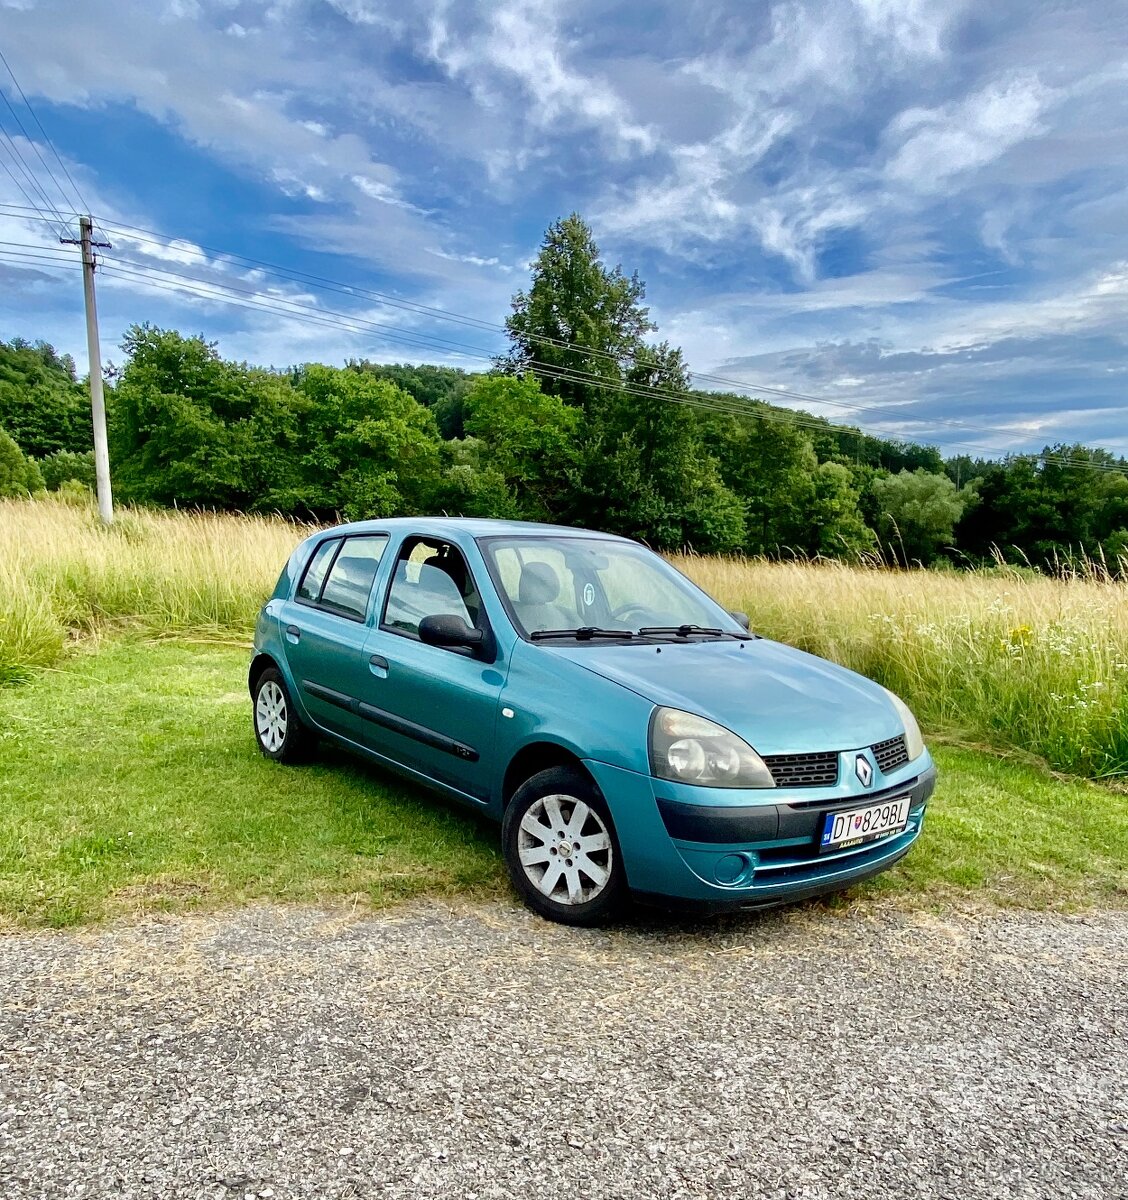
<point>538,591</point>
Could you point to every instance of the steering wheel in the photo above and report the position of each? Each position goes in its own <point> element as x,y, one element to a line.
<point>633,606</point>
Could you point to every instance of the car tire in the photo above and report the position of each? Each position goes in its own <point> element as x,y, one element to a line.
<point>280,732</point>
<point>561,849</point>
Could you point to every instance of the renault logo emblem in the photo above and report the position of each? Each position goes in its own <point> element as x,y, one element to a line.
<point>864,770</point>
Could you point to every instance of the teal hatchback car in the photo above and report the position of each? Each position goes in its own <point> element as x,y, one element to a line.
<point>630,735</point>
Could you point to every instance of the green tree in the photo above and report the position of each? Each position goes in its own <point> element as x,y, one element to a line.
<point>1046,508</point>
<point>190,428</point>
<point>793,503</point>
<point>530,438</point>
<point>838,528</point>
<point>368,448</point>
<point>648,472</point>
<point>770,464</point>
<point>42,406</point>
<point>441,389</point>
<point>917,513</point>
<point>19,475</point>
<point>643,467</point>
<point>577,315</point>
<point>64,466</point>
<point>473,486</point>
<point>1115,551</point>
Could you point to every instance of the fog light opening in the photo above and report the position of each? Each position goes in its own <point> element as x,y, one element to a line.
<point>731,869</point>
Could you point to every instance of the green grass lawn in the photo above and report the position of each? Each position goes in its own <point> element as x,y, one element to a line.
<point>129,780</point>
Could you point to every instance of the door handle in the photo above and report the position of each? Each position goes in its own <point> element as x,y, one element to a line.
<point>293,634</point>
<point>378,665</point>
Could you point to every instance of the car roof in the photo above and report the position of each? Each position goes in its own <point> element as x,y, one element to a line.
<point>457,528</point>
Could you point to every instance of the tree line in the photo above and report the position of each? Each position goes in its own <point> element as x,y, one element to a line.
<point>586,420</point>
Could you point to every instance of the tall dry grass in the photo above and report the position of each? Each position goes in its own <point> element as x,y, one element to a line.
<point>1004,656</point>
<point>1008,657</point>
<point>61,573</point>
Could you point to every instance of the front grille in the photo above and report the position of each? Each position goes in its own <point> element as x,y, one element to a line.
<point>804,770</point>
<point>891,754</point>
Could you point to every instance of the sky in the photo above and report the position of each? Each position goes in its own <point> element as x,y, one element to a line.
<point>914,212</point>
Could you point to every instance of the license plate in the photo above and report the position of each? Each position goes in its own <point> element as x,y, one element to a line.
<point>860,825</point>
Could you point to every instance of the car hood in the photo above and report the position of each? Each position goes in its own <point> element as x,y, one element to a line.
<point>779,699</point>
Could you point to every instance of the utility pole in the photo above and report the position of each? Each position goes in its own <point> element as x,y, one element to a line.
<point>97,399</point>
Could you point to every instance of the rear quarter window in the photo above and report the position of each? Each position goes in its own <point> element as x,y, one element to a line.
<point>314,576</point>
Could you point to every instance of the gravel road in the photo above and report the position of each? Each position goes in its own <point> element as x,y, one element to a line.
<point>480,1052</point>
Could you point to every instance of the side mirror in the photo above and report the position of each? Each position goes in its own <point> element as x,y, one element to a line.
<point>741,618</point>
<point>451,632</point>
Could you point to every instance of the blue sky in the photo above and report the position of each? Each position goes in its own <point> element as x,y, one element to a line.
<point>914,210</point>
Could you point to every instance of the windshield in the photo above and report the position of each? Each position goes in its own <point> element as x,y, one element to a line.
<point>594,587</point>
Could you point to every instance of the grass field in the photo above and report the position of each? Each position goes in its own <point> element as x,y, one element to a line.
<point>1009,660</point>
<point>132,782</point>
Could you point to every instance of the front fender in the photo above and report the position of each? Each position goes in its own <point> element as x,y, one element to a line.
<point>559,703</point>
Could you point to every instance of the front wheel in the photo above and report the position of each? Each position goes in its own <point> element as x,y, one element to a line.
<point>561,849</point>
<point>280,732</point>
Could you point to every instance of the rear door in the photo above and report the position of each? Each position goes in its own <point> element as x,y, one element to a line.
<point>325,625</point>
<point>430,709</point>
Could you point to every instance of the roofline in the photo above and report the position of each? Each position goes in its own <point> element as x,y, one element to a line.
<point>475,526</point>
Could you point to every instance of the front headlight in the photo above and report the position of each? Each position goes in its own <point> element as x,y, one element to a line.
<point>689,749</point>
<point>914,743</point>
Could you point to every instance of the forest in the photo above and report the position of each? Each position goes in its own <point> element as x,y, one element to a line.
<point>587,419</point>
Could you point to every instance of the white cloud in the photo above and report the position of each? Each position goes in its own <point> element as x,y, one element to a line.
<point>945,181</point>
<point>935,144</point>
<point>919,27</point>
<point>523,41</point>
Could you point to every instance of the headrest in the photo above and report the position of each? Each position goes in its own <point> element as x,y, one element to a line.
<point>539,584</point>
<point>451,565</point>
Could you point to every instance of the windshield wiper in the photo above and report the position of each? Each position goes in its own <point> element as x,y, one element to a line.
<point>584,634</point>
<point>683,631</point>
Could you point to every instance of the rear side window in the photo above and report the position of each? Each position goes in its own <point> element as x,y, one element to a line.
<point>349,584</point>
<point>310,586</point>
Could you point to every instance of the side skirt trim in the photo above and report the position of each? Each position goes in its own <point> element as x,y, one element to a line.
<point>387,720</point>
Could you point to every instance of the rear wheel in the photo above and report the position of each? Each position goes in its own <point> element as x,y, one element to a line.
<point>280,732</point>
<point>561,849</point>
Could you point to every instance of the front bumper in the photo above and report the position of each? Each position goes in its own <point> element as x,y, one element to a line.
<point>726,854</point>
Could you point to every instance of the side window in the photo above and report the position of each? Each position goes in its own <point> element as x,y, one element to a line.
<point>349,585</point>
<point>430,579</point>
<point>310,586</point>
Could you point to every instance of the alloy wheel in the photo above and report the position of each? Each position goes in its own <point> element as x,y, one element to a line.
<point>271,716</point>
<point>565,849</point>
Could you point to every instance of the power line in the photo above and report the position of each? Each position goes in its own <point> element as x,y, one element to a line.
<point>175,282</point>
<point>168,281</point>
<point>439,342</point>
<point>43,162</point>
<point>156,238</point>
<point>300,311</point>
<point>19,185</point>
<point>717,403</point>
<point>44,208</point>
<point>11,256</point>
<point>82,205</point>
<point>37,246</point>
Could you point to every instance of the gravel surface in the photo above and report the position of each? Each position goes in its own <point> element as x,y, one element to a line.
<point>480,1052</point>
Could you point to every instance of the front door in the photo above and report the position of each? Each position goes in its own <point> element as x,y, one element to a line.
<point>431,709</point>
